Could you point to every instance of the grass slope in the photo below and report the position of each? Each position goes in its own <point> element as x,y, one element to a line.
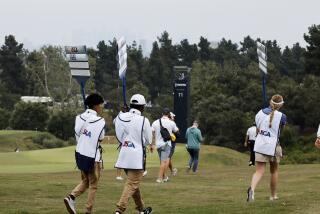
<point>36,182</point>
<point>24,140</point>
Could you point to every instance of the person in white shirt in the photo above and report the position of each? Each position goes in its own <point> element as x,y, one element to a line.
<point>89,132</point>
<point>134,133</point>
<point>250,138</point>
<point>270,121</point>
<point>174,171</point>
<point>163,146</point>
<point>317,143</point>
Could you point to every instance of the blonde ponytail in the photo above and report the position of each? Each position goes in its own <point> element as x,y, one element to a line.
<point>276,103</point>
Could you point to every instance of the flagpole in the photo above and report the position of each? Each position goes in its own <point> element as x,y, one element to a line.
<point>264,94</point>
<point>124,91</point>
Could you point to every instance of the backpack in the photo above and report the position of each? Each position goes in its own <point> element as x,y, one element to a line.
<point>165,134</point>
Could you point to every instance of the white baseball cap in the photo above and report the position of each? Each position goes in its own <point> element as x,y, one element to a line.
<point>138,99</point>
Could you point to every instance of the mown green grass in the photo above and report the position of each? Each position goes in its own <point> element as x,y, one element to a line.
<point>37,181</point>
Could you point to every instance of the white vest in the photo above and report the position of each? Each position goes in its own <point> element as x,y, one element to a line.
<point>88,135</point>
<point>267,138</point>
<point>132,130</point>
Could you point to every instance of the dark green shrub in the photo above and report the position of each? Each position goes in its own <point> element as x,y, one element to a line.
<point>4,118</point>
<point>61,124</point>
<point>29,116</point>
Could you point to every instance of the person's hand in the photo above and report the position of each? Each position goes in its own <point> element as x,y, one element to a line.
<point>151,148</point>
<point>317,143</point>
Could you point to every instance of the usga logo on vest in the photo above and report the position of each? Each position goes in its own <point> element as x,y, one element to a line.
<point>265,133</point>
<point>128,144</point>
<point>87,133</point>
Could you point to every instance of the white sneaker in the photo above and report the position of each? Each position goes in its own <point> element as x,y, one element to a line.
<point>250,195</point>
<point>119,178</point>
<point>145,173</point>
<point>70,205</point>
<point>166,179</point>
<point>174,171</point>
<point>159,180</point>
<point>273,198</point>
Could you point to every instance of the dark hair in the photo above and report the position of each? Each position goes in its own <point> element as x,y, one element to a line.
<point>166,111</point>
<point>138,107</point>
<point>93,100</point>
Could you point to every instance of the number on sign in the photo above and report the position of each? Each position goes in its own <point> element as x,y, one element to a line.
<point>74,49</point>
<point>180,94</point>
<point>73,57</point>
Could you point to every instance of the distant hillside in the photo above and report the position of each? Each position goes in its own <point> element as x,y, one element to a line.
<point>28,140</point>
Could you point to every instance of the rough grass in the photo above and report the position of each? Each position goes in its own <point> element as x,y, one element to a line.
<point>36,182</point>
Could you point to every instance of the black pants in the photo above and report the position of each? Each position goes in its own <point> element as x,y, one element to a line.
<point>252,155</point>
<point>194,159</point>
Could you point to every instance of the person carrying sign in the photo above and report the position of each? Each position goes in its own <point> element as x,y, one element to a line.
<point>250,138</point>
<point>134,133</point>
<point>174,171</point>
<point>270,121</point>
<point>317,143</point>
<point>89,132</point>
<point>162,131</point>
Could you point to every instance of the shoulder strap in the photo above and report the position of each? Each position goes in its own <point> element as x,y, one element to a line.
<point>144,153</point>
<point>160,123</point>
<point>144,118</point>
<point>98,145</point>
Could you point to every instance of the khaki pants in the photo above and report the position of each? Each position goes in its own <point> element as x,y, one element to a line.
<point>131,188</point>
<point>90,181</point>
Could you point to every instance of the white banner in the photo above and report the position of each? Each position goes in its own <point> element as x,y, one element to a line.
<point>122,56</point>
<point>262,68</point>
<point>263,62</point>
<point>261,47</point>
<point>261,54</point>
<point>121,42</point>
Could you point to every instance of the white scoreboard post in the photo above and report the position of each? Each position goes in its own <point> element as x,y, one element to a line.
<point>262,55</point>
<point>79,65</point>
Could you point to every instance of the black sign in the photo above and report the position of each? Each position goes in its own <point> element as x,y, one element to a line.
<point>181,106</point>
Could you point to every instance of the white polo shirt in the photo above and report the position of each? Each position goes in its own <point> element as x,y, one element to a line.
<point>166,123</point>
<point>252,133</point>
<point>318,134</point>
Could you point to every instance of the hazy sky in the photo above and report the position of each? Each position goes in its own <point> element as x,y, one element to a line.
<point>76,22</point>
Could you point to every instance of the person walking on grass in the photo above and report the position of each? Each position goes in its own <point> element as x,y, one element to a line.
<point>173,171</point>
<point>270,121</point>
<point>134,133</point>
<point>89,132</point>
<point>162,131</point>
<point>317,143</point>
<point>250,139</point>
<point>194,138</point>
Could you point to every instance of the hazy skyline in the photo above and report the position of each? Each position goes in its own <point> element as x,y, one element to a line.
<point>75,22</point>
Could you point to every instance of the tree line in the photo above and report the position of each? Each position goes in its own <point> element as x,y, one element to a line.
<point>225,80</point>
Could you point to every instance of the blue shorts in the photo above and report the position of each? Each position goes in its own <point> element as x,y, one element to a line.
<point>164,152</point>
